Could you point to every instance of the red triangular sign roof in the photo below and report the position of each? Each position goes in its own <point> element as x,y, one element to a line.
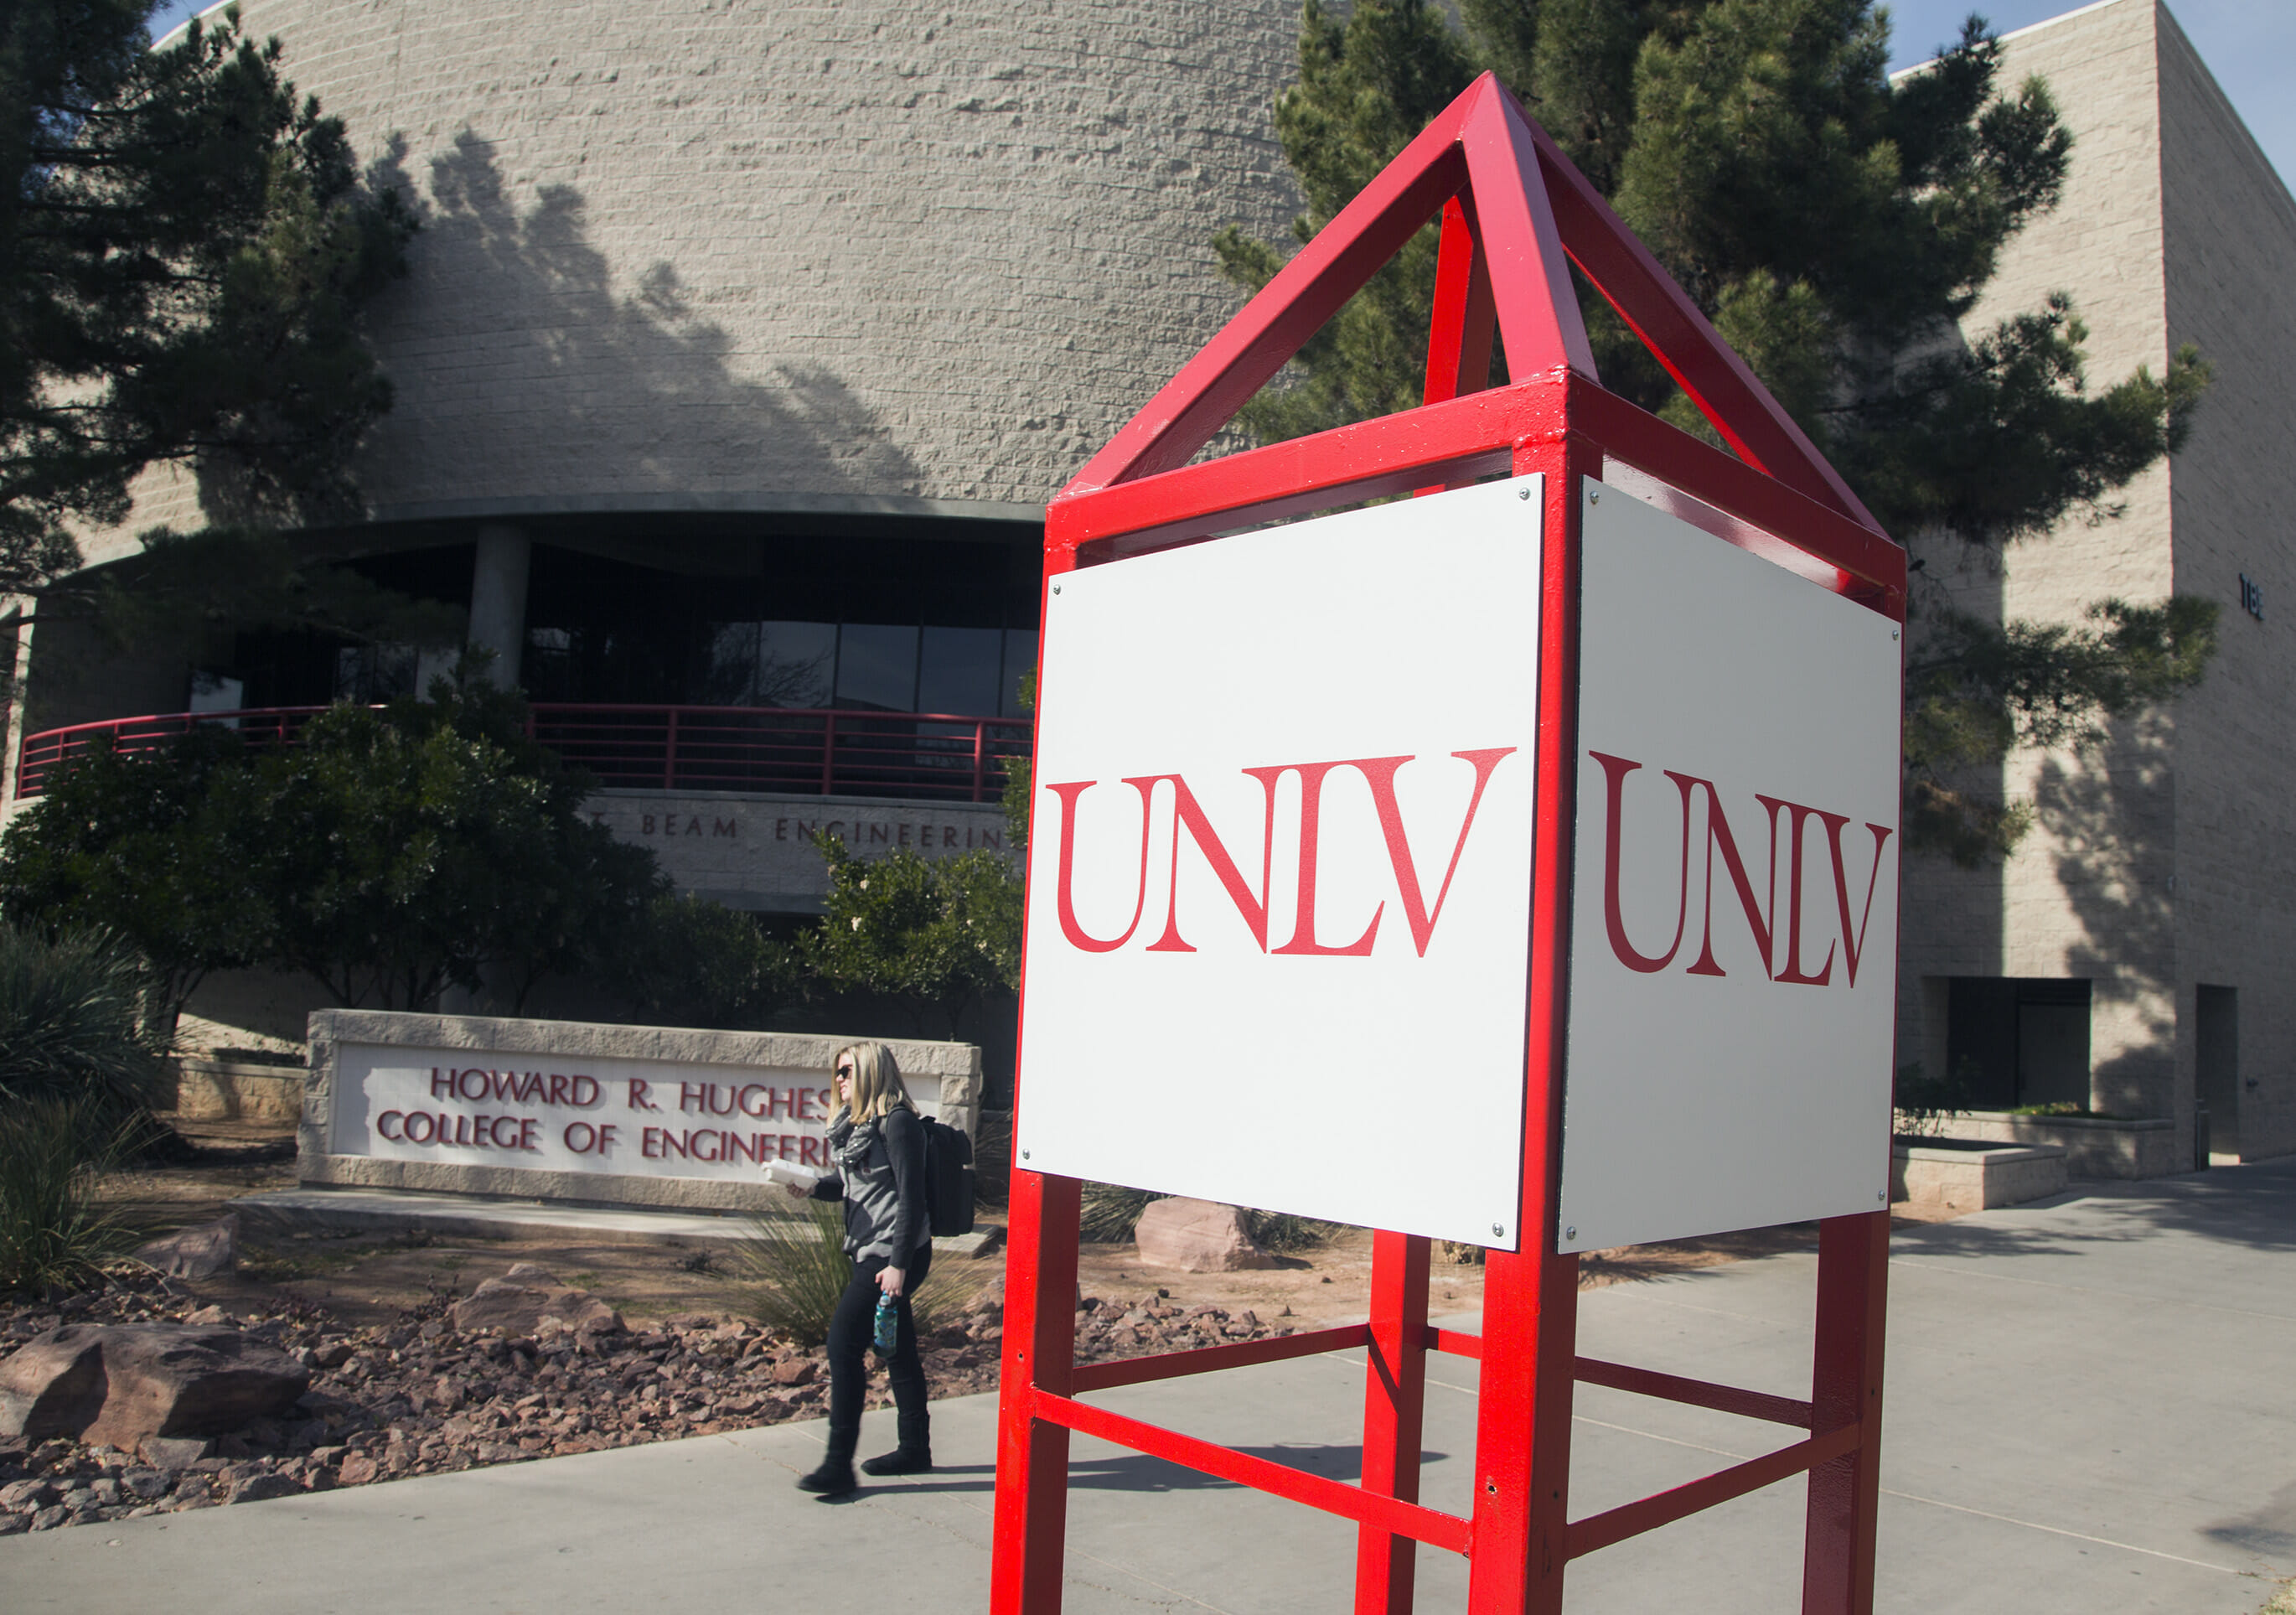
<point>1504,187</point>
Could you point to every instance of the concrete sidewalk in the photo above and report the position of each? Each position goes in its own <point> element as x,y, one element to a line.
<point>2091,1409</point>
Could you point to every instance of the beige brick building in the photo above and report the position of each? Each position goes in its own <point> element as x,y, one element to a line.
<point>792,314</point>
<point>744,343</point>
<point>2137,954</point>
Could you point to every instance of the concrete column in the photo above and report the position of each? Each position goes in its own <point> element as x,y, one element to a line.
<point>17,649</point>
<point>498,598</point>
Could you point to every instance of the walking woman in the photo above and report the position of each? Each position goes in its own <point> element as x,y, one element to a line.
<point>879,1145</point>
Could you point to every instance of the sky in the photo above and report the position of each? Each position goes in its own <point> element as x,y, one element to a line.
<point>2248,45</point>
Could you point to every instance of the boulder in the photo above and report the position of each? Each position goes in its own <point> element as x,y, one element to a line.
<point>117,1385</point>
<point>197,1252</point>
<point>519,1301</point>
<point>53,1385</point>
<point>1197,1236</point>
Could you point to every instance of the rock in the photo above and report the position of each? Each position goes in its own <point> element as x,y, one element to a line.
<point>197,1252</point>
<point>54,1385</point>
<point>208,1314</point>
<point>146,1483</point>
<point>262,1489</point>
<point>1197,1236</point>
<point>14,1525</point>
<point>49,1518</point>
<point>172,1452</point>
<point>334,1355</point>
<point>114,1385</point>
<point>167,1380</point>
<point>356,1470</point>
<point>17,1496</point>
<point>518,1302</point>
<point>797,1371</point>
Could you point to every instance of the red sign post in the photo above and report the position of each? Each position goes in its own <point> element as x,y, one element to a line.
<point>1515,216</point>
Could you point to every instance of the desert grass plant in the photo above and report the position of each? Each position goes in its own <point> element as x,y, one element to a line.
<point>1109,1214</point>
<point>794,1268</point>
<point>992,1158</point>
<point>71,1024</point>
<point>1282,1231</point>
<point>53,1235</point>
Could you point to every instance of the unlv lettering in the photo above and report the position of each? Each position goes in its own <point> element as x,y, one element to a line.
<point>1760,913</point>
<point>1188,816</point>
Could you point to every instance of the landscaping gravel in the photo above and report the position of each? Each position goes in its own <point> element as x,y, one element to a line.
<point>420,1397</point>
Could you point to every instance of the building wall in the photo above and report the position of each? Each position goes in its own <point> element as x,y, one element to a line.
<point>727,254</point>
<point>753,851</point>
<point>2160,859</point>
<point>2074,899</point>
<point>2231,239</point>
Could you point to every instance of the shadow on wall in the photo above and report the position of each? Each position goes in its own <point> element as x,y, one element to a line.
<point>2113,869</point>
<point>1954,919</point>
<point>523,368</point>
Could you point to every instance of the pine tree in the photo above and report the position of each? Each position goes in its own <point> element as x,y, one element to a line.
<point>185,249</point>
<point>1837,228</point>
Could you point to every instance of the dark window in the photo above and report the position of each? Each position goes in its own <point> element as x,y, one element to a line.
<point>732,613</point>
<point>1020,661</point>
<point>957,671</point>
<point>2018,1040</point>
<point>877,667</point>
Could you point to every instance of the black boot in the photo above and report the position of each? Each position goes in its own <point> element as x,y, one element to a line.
<point>833,1479</point>
<point>900,1461</point>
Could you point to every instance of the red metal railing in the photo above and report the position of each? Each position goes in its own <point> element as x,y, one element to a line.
<point>808,752</point>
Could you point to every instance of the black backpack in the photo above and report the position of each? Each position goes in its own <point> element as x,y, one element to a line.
<point>949,1178</point>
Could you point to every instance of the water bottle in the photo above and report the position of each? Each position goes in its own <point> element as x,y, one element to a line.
<point>889,1323</point>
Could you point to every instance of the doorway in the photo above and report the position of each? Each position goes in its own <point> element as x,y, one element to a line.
<point>2216,1040</point>
<point>2018,1040</point>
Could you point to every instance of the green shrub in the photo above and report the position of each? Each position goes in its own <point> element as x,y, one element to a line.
<point>1922,1102</point>
<point>795,1268</point>
<point>71,1024</point>
<point>51,1232</point>
<point>687,961</point>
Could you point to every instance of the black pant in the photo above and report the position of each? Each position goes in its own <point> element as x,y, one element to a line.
<point>849,1331</point>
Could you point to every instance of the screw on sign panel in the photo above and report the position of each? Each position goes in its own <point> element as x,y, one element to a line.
<point>1159,884</point>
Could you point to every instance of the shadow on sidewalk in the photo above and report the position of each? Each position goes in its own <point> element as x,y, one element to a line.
<point>1138,1472</point>
<point>2252,1206</point>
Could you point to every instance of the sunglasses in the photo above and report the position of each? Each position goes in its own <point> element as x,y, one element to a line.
<point>845,1071</point>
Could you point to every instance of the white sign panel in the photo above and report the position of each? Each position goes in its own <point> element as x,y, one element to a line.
<point>1735,912</point>
<point>631,1118</point>
<point>1280,867</point>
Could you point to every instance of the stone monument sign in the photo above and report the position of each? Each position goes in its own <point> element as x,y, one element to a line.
<point>641,1115</point>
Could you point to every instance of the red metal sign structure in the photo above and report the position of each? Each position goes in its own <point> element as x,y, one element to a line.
<point>1515,216</point>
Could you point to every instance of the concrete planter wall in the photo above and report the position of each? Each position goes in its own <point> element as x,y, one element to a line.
<point>2093,1147</point>
<point>217,1090</point>
<point>1951,1177</point>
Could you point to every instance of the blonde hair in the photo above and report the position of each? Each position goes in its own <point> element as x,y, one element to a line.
<point>876,1085</point>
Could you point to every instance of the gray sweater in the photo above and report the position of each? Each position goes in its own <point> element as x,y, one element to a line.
<point>881,1182</point>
